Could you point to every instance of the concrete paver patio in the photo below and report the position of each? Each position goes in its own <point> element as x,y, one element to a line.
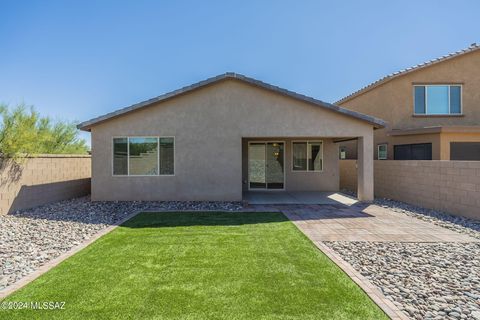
<point>340,218</point>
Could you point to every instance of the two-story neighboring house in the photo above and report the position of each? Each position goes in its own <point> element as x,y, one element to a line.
<point>432,110</point>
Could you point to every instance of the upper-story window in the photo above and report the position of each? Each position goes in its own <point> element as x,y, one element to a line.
<point>438,99</point>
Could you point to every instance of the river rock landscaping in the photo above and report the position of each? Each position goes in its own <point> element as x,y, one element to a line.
<point>30,238</point>
<point>425,280</point>
<point>456,223</point>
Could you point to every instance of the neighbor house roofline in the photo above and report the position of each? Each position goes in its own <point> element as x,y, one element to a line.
<point>377,123</point>
<point>473,47</point>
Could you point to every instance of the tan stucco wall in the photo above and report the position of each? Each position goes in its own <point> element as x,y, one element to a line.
<point>327,180</point>
<point>208,125</point>
<point>393,100</point>
<point>35,181</point>
<point>450,186</point>
<point>348,175</point>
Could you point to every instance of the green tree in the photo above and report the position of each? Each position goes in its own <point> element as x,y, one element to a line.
<point>24,132</point>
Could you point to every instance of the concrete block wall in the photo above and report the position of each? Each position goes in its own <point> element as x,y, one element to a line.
<point>450,186</point>
<point>34,181</point>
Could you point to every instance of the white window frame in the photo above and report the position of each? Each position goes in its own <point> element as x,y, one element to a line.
<point>158,157</point>
<point>307,142</point>
<point>378,151</point>
<point>340,152</point>
<point>426,99</point>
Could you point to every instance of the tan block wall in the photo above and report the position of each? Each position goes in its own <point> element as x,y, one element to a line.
<point>44,179</point>
<point>450,186</point>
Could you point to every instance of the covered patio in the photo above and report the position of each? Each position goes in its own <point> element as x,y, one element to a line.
<point>302,170</point>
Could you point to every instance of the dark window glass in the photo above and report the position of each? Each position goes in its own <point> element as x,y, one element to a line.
<point>455,100</point>
<point>166,156</point>
<point>299,156</point>
<point>143,158</point>
<point>120,155</point>
<point>419,99</point>
<point>315,156</point>
<point>382,152</point>
<point>421,151</point>
<point>467,151</point>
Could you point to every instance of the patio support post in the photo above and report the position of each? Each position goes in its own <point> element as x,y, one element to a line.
<point>365,168</point>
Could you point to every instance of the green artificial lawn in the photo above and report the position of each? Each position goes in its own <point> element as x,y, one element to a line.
<point>198,265</point>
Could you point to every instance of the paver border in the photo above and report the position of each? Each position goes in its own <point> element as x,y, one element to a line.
<point>53,263</point>
<point>369,288</point>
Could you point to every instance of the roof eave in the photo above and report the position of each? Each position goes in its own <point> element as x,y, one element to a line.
<point>86,125</point>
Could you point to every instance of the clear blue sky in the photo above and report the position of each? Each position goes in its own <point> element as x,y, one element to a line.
<point>76,60</point>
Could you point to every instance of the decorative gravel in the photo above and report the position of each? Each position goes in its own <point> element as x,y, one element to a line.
<point>30,238</point>
<point>459,224</point>
<point>456,223</point>
<point>426,281</point>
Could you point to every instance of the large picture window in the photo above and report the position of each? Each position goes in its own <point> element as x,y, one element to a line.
<point>120,156</point>
<point>307,156</point>
<point>143,156</point>
<point>437,99</point>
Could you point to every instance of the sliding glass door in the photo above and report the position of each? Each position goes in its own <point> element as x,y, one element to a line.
<point>266,165</point>
<point>257,166</point>
<point>275,165</point>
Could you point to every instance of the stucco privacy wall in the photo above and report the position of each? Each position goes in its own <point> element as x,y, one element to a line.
<point>43,179</point>
<point>208,125</point>
<point>450,186</point>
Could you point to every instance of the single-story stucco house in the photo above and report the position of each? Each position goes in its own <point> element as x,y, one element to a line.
<point>222,137</point>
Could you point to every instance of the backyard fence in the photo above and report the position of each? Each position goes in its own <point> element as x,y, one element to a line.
<point>33,181</point>
<point>450,186</point>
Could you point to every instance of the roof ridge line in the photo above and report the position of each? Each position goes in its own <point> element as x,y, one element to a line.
<point>390,76</point>
<point>232,75</point>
